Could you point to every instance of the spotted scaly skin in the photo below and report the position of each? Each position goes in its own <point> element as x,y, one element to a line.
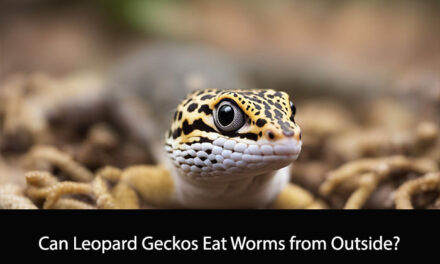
<point>231,149</point>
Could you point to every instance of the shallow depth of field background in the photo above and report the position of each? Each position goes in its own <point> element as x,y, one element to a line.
<point>364,75</point>
<point>378,44</point>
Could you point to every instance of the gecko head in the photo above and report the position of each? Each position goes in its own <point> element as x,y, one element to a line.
<point>226,134</point>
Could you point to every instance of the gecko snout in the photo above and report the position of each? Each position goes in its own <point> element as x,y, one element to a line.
<point>272,135</point>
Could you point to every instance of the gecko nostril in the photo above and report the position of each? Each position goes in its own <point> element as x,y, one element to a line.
<point>270,134</point>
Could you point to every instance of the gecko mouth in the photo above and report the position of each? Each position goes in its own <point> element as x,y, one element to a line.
<point>228,157</point>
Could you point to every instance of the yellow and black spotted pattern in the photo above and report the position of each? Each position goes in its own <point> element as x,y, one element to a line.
<point>268,114</point>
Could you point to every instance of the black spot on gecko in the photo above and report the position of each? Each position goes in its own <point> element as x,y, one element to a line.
<point>187,101</point>
<point>261,122</point>
<point>192,107</point>
<point>203,140</point>
<point>177,133</point>
<point>267,106</point>
<point>206,97</point>
<point>278,114</point>
<point>255,99</point>
<point>250,136</point>
<point>205,108</point>
<point>180,116</point>
<point>196,125</point>
<point>277,105</point>
<point>267,113</point>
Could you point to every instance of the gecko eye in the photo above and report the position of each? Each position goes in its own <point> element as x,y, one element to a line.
<point>228,117</point>
<point>293,108</point>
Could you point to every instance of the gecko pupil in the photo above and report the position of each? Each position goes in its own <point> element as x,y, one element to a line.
<point>226,115</point>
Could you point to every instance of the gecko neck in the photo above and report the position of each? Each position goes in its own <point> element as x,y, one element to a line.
<point>249,192</point>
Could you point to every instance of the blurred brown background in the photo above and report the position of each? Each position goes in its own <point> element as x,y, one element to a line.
<point>373,44</point>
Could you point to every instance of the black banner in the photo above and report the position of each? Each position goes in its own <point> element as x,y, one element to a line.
<point>260,233</point>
